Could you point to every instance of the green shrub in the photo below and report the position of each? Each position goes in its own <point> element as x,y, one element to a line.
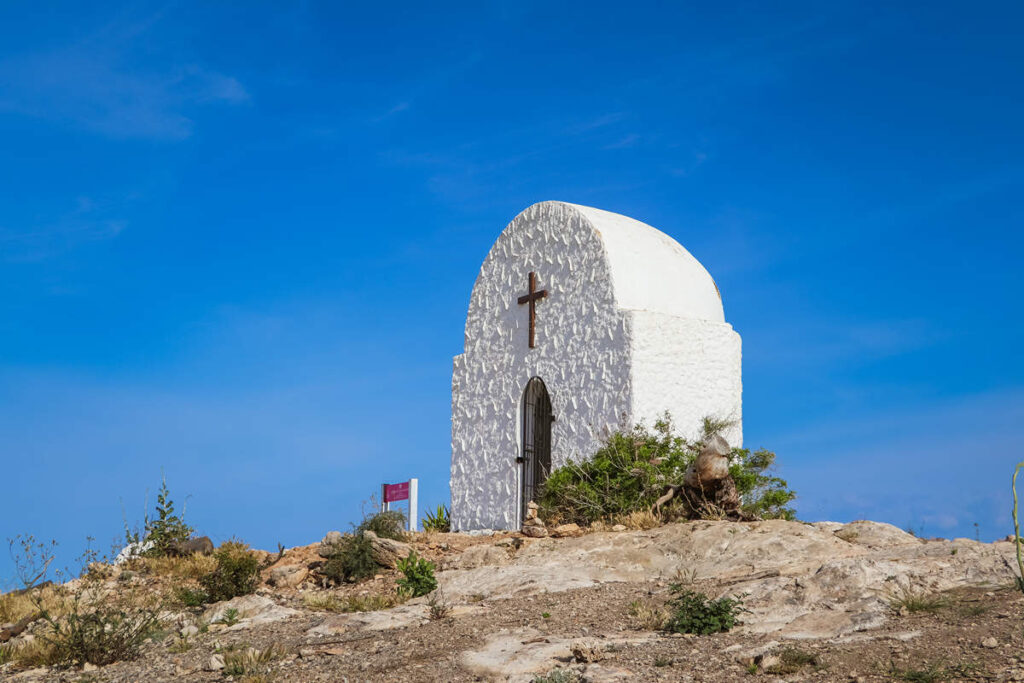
<point>763,495</point>
<point>418,576</point>
<point>693,612</point>
<point>625,475</point>
<point>353,561</point>
<point>388,524</point>
<point>237,572</point>
<point>631,470</point>
<point>438,521</point>
<point>190,597</point>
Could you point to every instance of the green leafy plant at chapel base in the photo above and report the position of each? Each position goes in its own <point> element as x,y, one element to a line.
<point>632,468</point>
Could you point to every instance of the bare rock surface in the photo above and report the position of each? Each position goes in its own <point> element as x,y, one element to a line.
<point>802,581</point>
<point>386,551</point>
<point>252,610</point>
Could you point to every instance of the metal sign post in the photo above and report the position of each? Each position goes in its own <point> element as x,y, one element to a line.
<point>406,490</point>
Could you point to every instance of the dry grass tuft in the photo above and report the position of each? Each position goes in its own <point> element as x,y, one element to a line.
<point>353,603</point>
<point>187,567</point>
<point>13,607</point>
<point>639,520</point>
<point>30,655</point>
<point>251,664</point>
<point>648,617</point>
<point>909,601</point>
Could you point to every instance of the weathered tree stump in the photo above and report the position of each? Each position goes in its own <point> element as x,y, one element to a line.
<point>707,490</point>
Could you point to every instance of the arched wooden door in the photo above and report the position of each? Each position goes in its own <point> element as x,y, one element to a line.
<point>536,458</point>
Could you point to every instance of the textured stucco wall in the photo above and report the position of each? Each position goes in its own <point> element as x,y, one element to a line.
<point>607,362</point>
<point>581,354</point>
<point>691,368</point>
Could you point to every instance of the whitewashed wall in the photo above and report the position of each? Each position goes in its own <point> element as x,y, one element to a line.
<point>632,327</point>
<point>581,354</point>
<point>690,368</point>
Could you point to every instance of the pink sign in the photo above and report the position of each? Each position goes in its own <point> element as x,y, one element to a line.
<point>393,492</point>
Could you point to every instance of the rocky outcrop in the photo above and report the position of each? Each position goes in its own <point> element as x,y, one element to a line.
<point>386,551</point>
<point>288,576</point>
<point>801,580</point>
<point>331,544</point>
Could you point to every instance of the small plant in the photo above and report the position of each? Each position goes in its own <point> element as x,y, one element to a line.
<point>660,661</point>
<point>418,575</point>
<point>168,528</point>
<point>911,601</point>
<point>237,573</point>
<point>438,520</point>
<point>694,612</point>
<point>545,615</point>
<point>439,607</point>
<point>230,617</point>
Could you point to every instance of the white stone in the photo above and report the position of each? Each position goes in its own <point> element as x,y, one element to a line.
<point>632,327</point>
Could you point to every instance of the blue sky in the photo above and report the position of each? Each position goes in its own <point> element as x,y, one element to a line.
<point>237,242</point>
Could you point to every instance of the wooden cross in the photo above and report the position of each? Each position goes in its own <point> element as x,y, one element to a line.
<point>532,299</point>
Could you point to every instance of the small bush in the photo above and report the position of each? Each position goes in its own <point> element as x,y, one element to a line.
<point>694,612</point>
<point>631,470</point>
<point>191,597</point>
<point>439,607</point>
<point>84,626</point>
<point>237,573</point>
<point>418,576</point>
<point>388,524</point>
<point>763,495</point>
<point>353,561</point>
<point>439,520</point>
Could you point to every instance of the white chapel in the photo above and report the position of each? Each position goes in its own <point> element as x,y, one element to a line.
<point>581,322</point>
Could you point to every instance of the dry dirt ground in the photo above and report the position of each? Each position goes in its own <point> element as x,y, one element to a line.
<point>820,599</point>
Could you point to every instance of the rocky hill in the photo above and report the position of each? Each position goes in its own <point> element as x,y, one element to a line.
<point>825,601</point>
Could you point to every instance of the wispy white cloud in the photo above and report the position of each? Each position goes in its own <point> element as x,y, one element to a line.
<point>95,85</point>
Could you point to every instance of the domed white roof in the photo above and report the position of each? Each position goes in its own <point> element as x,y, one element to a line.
<point>650,270</point>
